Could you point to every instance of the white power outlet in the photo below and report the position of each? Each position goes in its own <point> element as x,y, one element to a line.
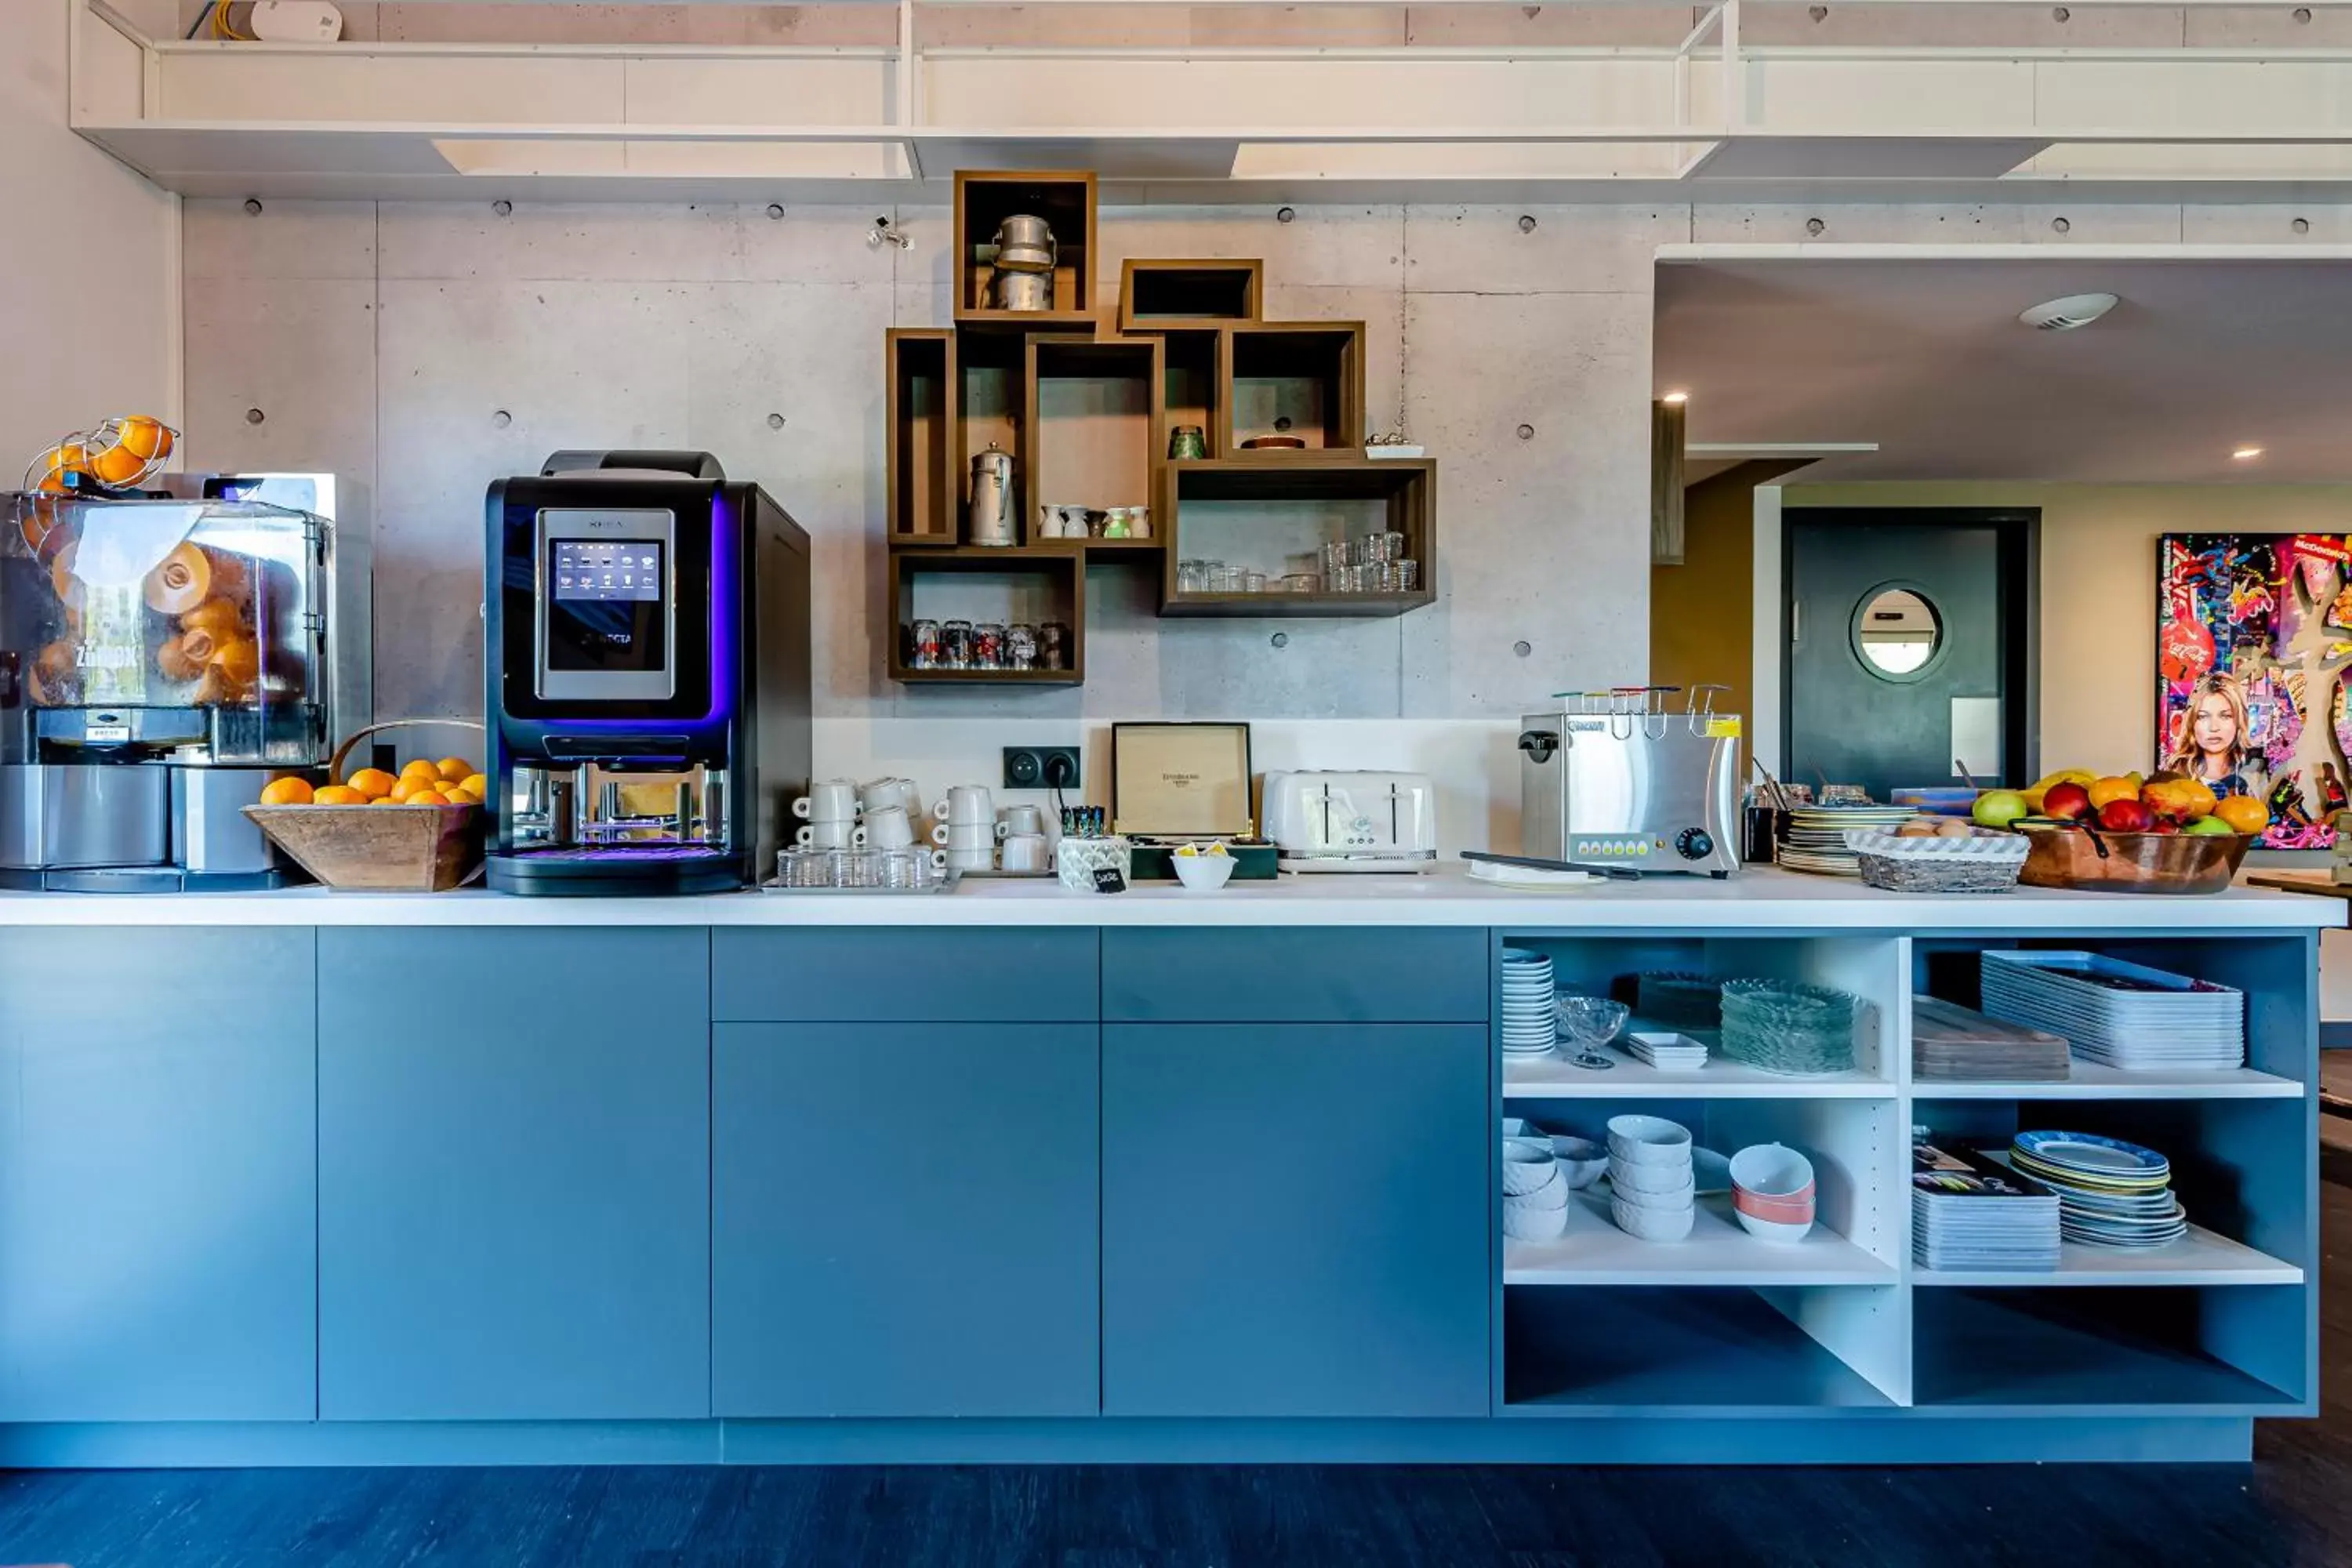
<point>296,21</point>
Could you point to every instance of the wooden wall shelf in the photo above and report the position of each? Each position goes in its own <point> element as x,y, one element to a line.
<point>1085,401</point>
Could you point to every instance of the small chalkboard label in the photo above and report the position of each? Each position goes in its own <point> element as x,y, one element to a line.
<point>1108,881</point>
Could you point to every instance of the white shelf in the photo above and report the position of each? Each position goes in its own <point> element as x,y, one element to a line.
<point>2090,1080</point>
<point>2200,1258</point>
<point>1554,1078</point>
<point>1717,1252</point>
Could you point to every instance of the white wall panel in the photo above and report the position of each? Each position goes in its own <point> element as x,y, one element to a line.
<point>447,90</point>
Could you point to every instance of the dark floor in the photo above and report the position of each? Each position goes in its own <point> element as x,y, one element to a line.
<point>2292,1505</point>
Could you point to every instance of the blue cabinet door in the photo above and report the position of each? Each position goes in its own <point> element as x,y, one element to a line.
<point>514,1174</point>
<point>156,1182</point>
<point>1294,1220</point>
<point>905,1219</point>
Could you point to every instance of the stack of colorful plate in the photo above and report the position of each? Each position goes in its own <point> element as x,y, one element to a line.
<point>1787,1027</point>
<point>1529,1025</point>
<point>2110,1193</point>
<point>1816,841</point>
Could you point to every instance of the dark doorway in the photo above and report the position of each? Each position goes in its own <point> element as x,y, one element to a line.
<point>1911,644</point>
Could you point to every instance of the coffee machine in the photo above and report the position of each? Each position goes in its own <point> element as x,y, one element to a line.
<point>648,676</point>
<point>163,655</point>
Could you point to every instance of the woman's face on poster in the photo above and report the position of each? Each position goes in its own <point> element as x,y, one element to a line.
<point>2215,728</point>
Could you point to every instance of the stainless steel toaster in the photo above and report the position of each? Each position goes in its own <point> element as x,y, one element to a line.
<point>1623,781</point>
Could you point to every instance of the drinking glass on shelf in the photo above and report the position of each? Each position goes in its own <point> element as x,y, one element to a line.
<point>1252,582</point>
<point>1191,576</point>
<point>1408,575</point>
<point>1335,561</point>
<point>1383,546</point>
<point>1021,647</point>
<point>1054,646</point>
<point>1592,1022</point>
<point>1302,583</point>
<point>923,645</point>
<point>988,646</point>
<point>955,645</point>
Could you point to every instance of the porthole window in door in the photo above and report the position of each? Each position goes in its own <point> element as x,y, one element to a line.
<point>1898,633</point>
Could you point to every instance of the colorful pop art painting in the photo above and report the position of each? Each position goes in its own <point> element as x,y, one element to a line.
<point>2253,635</point>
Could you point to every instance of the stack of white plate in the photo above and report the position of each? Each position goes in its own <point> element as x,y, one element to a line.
<point>2123,1015</point>
<point>1529,1028</point>
<point>2110,1193</point>
<point>1816,841</point>
<point>1666,1050</point>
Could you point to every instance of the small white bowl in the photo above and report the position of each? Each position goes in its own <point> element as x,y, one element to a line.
<point>1552,1194</point>
<point>1202,873</point>
<point>1771,1170</point>
<point>1649,1139</point>
<point>1661,1179</point>
<point>1581,1160</point>
<point>1651,1225</point>
<point>1523,1222</point>
<point>1527,1165</point>
<point>1774,1230</point>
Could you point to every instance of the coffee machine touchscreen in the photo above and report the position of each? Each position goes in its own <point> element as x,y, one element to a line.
<point>606,612</point>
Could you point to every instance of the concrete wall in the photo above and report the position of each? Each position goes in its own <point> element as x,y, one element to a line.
<point>89,273</point>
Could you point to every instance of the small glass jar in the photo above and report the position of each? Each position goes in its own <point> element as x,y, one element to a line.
<point>1054,646</point>
<point>988,646</point>
<point>1335,561</point>
<point>1021,647</point>
<point>923,645</point>
<point>1252,582</point>
<point>955,645</point>
<point>1383,547</point>
<point>1408,575</point>
<point>1191,576</point>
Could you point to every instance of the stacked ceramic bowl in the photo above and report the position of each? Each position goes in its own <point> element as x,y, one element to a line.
<point>1787,1027</point>
<point>1529,1026</point>
<point>1535,1195</point>
<point>1772,1192</point>
<point>1653,1193</point>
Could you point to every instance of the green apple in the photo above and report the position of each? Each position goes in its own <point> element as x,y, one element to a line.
<point>2207,826</point>
<point>2000,808</point>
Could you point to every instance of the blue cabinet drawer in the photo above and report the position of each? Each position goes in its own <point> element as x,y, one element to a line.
<point>905,974</point>
<point>1255,974</point>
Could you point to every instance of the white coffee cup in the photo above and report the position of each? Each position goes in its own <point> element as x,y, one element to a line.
<point>830,836</point>
<point>1025,852</point>
<point>966,802</point>
<point>881,794</point>
<point>1024,819</point>
<point>967,834</point>
<point>972,859</point>
<point>886,827</point>
<point>828,800</point>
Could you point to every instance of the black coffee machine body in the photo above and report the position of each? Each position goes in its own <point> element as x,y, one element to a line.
<point>647,655</point>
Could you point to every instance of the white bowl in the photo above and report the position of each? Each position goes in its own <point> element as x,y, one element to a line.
<point>1581,1160</point>
<point>1649,1139</point>
<point>1527,1164</point>
<point>1520,1127</point>
<point>1651,1225</point>
<point>1523,1222</point>
<point>1202,873</point>
<point>1771,1170</point>
<point>1680,1197</point>
<point>1552,1194</point>
<point>1660,1179</point>
<point>1773,1230</point>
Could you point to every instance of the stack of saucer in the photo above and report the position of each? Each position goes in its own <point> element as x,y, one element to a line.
<point>1666,1050</point>
<point>1529,1028</point>
<point>1816,839</point>
<point>2110,1193</point>
<point>1653,1190</point>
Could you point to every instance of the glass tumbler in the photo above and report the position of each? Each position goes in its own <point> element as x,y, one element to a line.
<point>923,645</point>
<point>1383,547</point>
<point>1191,576</point>
<point>988,646</point>
<point>1021,647</point>
<point>955,645</point>
<point>1301,583</point>
<point>1054,646</point>
<point>1408,575</point>
<point>1252,582</point>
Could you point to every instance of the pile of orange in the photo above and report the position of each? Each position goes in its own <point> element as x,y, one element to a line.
<point>450,781</point>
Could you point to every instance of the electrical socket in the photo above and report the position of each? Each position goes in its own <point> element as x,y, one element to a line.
<point>1041,767</point>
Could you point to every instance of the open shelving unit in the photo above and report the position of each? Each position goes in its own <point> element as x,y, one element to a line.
<point>1085,402</point>
<point>2221,1323</point>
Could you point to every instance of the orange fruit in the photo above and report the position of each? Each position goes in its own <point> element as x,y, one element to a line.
<point>408,784</point>
<point>337,794</point>
<point>428,798</point>
<point>116,465</point>
<point>373,783</point>
<point>2113,788</point>
<point>421,768</point>
<point>478,786</point>
<point>456,770</point>
<point>385,800</point>
<point>144,437</point>
<point>2244,813</point>
<point>287,792</point>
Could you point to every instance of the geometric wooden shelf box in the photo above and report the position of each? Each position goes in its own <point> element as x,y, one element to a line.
<point>1085,401</point>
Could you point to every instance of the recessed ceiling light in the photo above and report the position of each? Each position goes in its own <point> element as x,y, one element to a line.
<point>2247,454</point>
<point>1676,398</point>
<point>2066,314</point>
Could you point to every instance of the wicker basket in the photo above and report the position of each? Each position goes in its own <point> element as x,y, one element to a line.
<point>377,848</point>
<point>1984,862</point>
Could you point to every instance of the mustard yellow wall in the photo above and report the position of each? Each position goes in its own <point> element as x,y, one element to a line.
<point>1701,613</point>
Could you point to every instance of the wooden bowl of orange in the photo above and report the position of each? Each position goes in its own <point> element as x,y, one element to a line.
<point>418,830</point>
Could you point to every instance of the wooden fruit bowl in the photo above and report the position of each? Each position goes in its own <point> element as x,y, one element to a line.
<point>377,848</point>
<point>2131,862</point>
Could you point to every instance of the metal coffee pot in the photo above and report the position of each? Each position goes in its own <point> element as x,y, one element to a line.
<point>994,518</point>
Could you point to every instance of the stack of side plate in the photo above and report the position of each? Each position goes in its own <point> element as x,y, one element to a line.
<point>1529,1025</point>
<point>1816,841</point>
<point>2110,1193</point>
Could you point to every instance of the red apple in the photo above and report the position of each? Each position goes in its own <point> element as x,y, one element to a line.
<point>2127,815</point>
<point>2067,802</point>
<point>2164,825</point>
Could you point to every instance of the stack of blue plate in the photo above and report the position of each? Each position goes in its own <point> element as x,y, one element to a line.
<point>2110,1193</point>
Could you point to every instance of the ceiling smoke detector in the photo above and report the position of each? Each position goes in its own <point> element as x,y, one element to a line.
<point>2065,315</point>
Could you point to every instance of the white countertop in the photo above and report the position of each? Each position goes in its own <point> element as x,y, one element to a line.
<point>1756,899</point>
